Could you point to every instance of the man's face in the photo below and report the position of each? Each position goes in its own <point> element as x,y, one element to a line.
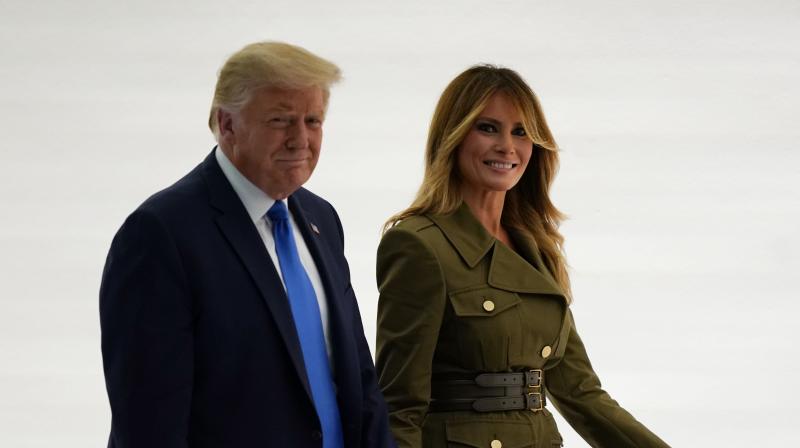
<point>274,140</point>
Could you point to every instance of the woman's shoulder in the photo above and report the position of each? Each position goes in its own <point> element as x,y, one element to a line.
<point>414,223</point>
<point>416,233</point>
<point>415,229</point>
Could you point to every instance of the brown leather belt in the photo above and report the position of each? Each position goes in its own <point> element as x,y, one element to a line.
<point>488,392</point>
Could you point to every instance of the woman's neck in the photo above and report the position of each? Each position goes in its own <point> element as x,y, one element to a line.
<point>487,207</point>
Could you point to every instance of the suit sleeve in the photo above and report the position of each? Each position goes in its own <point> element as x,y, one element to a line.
<point>577,394</point>
<point>146,324</point>
<point>374,423</point>
<point>410,310</point>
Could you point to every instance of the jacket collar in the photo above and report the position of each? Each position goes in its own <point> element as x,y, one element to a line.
<point>524,272</point>
<point>465,233</point>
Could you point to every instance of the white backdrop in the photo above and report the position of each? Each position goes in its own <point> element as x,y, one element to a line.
<point>680,174</point>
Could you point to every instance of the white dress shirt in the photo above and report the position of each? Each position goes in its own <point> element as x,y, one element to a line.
<point>257,204</point>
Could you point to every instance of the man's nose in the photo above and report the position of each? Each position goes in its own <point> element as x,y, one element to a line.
<point>297,137</point>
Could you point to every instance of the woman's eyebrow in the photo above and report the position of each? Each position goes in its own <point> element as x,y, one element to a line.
<point>495,121</point>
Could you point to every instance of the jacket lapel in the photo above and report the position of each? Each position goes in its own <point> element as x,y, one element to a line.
<point>325,266</point>
<point>508,270</point>
<point>347,380</point>
<point>468,236</point>
<point>238,229</point>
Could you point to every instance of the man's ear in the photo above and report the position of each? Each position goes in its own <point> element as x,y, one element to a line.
<point>225,125</point>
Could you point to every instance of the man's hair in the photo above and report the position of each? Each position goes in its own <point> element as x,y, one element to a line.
<point>268,64</point>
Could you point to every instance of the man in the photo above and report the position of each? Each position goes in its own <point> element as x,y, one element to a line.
<point>228,320</point>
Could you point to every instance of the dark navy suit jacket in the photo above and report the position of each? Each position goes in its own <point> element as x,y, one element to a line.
<point>199,346</point>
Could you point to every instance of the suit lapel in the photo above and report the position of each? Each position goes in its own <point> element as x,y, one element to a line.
<point>347,380</point>
<point>311,235</point>
<point>238,229</point>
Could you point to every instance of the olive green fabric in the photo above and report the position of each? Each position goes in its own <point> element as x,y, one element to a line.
<point>435,274</point>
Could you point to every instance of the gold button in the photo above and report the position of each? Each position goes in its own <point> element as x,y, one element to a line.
<point>488,306</point>
<point>546,351</point>
<point>496,444</point>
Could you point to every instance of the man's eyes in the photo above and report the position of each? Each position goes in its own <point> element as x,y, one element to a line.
<point>279,120</point>
<point>288,121</point>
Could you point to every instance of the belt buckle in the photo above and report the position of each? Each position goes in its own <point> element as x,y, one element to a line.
<point>535,390</point>
<point>539,401</point>
<point>538,373</point>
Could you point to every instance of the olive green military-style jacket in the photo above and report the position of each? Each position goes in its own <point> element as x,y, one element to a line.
<point>453,299</point>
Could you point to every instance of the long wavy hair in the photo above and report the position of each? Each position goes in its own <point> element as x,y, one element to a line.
<point>527,208</point>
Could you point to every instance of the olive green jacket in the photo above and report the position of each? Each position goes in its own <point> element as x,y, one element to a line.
<point>455,299</point>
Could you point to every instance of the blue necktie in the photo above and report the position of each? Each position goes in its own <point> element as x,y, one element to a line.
<point>305,310</point>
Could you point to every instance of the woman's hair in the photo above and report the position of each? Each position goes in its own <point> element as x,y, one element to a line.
<point>527,207</point>
<point>269,64</point>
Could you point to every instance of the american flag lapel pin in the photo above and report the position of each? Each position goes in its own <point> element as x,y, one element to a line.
<point>314,228</point>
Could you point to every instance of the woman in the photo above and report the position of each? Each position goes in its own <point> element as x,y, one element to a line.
<point>474,323</point>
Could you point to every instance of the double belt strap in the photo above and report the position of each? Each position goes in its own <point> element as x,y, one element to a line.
<point>488,392</point>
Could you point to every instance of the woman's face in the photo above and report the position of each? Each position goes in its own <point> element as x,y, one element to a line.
<point>496,151</point>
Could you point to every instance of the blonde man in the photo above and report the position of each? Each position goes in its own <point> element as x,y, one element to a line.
<point>227,314</point>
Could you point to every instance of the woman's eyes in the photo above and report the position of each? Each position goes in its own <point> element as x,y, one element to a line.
<point>491,129</point>
<point>486,127</point>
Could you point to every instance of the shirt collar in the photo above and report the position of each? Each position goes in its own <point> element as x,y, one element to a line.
<point>255,201</point>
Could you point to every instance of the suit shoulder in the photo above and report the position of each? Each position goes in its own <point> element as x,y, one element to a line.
<point>309,199</point>
<point>177,197</point>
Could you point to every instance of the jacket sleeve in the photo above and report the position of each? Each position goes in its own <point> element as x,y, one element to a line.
<point>577,394</point>
<point>147,345</point>
<point>410,309</point>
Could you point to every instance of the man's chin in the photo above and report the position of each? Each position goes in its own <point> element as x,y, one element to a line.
<point>295,179</point>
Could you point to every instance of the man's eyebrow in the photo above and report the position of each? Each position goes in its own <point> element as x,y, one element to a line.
<point>281,107</point>
<point>285,107</point>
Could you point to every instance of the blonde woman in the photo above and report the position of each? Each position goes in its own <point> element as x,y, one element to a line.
<point>475,332</point>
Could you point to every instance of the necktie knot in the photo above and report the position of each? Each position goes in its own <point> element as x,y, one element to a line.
<point>278,212</point>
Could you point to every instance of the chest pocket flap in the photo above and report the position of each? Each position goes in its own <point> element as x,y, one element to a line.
<point>482,302</point>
